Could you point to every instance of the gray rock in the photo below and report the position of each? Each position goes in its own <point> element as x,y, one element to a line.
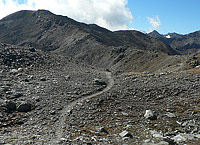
<point>103,130</point>
<point>43,79</point>
<point>10,106</point>
<point>183,137</point>
<point>32,49</point>
<point>197,136</point>
<point>150,115</point>
<point>170,115</point>
<point>160,143</point>
<point>17,95</point>
<point>99,82</point>
<point>126,134</point>
<point>15,71</point>
<point>156,134</point>
<point>67,77</point>
<point>24,107</point>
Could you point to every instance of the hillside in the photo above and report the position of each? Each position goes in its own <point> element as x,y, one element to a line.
<point>88,43</point>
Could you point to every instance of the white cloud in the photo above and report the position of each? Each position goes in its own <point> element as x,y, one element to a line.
<point>155,22</point>
<point>111,14</point>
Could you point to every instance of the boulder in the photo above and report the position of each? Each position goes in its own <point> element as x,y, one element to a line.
<point>17,95</point>
<point>43,79</point>
<point>150,115</point>
<point>126,134</point>
<point>32,49</point>
<point>99,82</point>
<point>170,115</point>
<point>102,130</point>
<point>24,107</point>
<point>10,106</point>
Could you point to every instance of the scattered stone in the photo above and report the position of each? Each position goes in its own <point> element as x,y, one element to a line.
<point>24,107</point>
<point>126,134</point>
<point>150,115</point>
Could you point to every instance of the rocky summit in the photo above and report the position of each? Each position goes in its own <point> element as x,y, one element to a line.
<point>65,82</point>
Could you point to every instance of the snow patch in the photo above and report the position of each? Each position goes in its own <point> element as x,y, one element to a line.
<point>168,36</point>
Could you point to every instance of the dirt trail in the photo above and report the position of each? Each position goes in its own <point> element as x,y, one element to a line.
<point>69,107</point>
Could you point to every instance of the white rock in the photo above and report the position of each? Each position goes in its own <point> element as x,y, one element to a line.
<point>125,134</point>
<point>149,115</point>
<point>156,134</point>
<point>170,115</point>
<point>197,136</point>
<point>179,138</point>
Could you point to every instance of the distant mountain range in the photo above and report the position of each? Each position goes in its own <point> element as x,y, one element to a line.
<point>189,43</point>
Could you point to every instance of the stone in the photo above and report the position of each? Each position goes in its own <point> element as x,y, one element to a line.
<point>179,138</point>
<point>197,136</point>
<point>24,107</point>
<point>10,106</point>
<point>17,95</point>
<point>42,79</point>
<point>156,134</point>
<point>99,82</point>
<point>32,49</point>
<point>150,115</point>
<point>126,134</point>
<point>170,115</point>
<point>160,143</point>
<point>103,130</point>
<point>125,114</point>
<point>67,77</point>
<point>14,71</point>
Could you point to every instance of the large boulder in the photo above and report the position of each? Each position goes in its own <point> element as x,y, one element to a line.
<point>24,107</point>
<point>99,82</point>
<point>10,106</point>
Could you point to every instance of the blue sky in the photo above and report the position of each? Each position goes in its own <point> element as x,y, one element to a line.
<point>180,16</point>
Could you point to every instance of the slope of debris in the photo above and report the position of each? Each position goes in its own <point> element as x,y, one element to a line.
<point>35,87</point>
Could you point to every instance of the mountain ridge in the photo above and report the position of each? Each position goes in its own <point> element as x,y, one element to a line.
<point>88,43</point>
<point>188,43</point>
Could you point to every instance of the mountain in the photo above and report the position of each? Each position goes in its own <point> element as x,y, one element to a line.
<point>189,43</point>
<point>155,34</point>
<point>88,43</point>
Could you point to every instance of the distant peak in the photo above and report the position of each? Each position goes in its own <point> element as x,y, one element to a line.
<point>154,31</point>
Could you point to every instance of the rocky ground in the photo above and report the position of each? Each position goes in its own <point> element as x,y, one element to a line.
<point>34,91</point>
<point>140,108</point>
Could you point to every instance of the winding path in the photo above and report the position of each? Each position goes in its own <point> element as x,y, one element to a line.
<point>69,107</point>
